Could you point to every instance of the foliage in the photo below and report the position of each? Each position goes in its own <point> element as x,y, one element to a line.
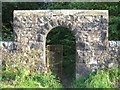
<point>17,59</point>
<point>19,63</point>
<point>7,16</point>
<point>34,80</point>
<point>19,71</point>
<point>101,79</point>
<point>59,36</point>
<point>114,28</point>
<point>9,7</point>
<point>63,36</point>
<point>47,80</point>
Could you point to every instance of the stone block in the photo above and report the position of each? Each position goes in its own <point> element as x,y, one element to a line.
<point>118,43</point>
<point>88,26</point>
<point>82,69</point>
<point>112,43</point>
<point>103,36</point>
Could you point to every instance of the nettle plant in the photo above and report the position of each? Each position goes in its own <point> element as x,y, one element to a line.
<point>21,64</point>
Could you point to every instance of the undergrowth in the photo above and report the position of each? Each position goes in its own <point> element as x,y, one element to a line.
<point>101,79</point>
<point>34,80</point>
<point>19,71</point>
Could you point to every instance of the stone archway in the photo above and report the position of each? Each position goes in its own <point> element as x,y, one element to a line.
<point>89,27</point>
<point>63,39</point>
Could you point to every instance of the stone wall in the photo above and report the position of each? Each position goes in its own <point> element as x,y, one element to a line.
<point>90,27</point>
<point>114,51</point>
<point>8,45</point>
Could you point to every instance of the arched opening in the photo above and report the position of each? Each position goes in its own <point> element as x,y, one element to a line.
<point>63,36</point>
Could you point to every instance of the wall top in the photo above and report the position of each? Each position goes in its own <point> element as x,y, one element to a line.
<point>61,12</point>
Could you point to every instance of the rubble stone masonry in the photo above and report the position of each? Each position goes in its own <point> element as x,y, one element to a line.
<point>90,28</point>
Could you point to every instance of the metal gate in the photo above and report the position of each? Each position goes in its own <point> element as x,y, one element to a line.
<point>54,55</point>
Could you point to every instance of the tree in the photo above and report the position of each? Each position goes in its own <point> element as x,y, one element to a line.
<point>113,7</point>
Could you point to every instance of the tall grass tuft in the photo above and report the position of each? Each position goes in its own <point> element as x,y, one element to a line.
<point>19,71</point>
<point>101,79</point>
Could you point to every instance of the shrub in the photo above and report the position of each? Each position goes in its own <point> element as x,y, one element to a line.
<point>17,61</point>
<point>19,71</point>
<point>47,80</point>
<point>101,79</point>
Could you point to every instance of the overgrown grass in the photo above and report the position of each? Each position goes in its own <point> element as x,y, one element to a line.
<point>19,71</point>
<point>34,80</point>
<point>101,79</point>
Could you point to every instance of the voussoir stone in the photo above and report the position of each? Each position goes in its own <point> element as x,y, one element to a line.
<point>90,28</point>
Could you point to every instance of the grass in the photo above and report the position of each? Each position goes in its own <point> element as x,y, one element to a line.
<point>35,80</point>
<point>19,71</point>
<point>101,79</point>
<point>17,74</point>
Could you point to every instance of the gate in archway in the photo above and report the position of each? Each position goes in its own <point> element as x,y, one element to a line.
<point>90,28</point>
<point>54,56</point>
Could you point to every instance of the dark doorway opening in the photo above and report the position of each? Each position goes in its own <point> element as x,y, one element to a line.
<point>63,36</point>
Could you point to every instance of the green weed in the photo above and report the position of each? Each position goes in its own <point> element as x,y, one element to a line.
<point>101,79</point>
<point>19,72</point>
